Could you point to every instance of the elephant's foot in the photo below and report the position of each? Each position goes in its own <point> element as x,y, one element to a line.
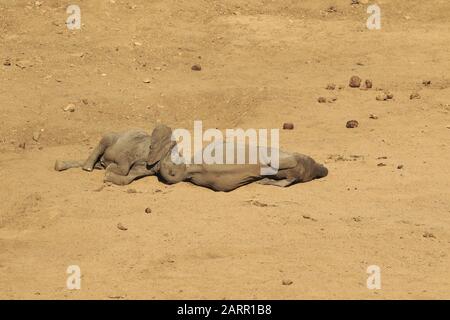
<point>279,183</point>
<point>64,165</point>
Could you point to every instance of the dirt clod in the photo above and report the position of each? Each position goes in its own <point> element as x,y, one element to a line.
<point>288,126</point>
<point>414,95</point>
<point>352,124</point>
<point>428,235</point>
<point>355,82</point>
<point>69,108</point>
<point>120,226</point>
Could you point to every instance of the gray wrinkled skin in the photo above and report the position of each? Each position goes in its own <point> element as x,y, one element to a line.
<point>134,154</point>
<point>124,156</point>
<point>293,168</point>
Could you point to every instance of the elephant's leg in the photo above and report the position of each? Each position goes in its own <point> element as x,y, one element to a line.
<point>99,150</point>
<point>136,172</point>
<point>278,183</point>
<point>122,168</point>
<point>64,165</point>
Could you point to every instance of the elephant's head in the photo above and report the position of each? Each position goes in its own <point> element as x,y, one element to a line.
<point>312,169</point>
<point>161,145</point>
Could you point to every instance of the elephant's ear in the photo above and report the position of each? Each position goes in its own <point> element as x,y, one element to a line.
<point>161,143</point>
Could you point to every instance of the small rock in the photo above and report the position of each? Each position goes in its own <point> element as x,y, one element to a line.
<point>382,97</point>
<point>288,126</point>
<point>69,108</point>
<point>400,166</point>
<point>148,210</point>
<point>7,63</point>
<point>352,124</point>
<point>22,145</point>
<point>36,135</point>
<point>331,9</point>
<point>321,100</point>
<point>428,235</point>
<point>381,164</point>
<point>259,204</point>
<point>121,227</point>
<point>146,80</point>
<point>369,84</point>
<point>426,83</point>
<point>287,282</point>
<point>373,116</point>
<point>414,95</point>
<point>131,191</point>
<point>196,67</point>
<point>385,96</point>
<point>330,86</point>
<point>85,101</point>
<point>355,82</point>
<point>137,43</point>
<point>332,99</point>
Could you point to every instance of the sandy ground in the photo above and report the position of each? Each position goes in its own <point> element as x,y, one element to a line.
<point>263,63</point>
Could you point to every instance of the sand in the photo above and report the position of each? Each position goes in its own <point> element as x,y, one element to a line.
<point>385,201</point>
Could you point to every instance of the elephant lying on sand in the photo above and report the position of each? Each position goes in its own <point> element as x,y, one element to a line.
<point>134,154</point>
<point>125,156</point>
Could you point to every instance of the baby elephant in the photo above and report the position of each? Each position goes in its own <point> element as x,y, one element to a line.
<point>134,154</point>
<point>292,168</point>
<point>125,156</point>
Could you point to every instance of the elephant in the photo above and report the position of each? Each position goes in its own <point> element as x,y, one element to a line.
<point>124,156</point>
<point>292,168</point>
<point>134,154</point>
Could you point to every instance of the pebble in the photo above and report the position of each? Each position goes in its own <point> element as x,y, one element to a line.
<point>196,67</point>
<point>69,108</point>
<point>36,135</point>
<point>428,235</point>
<point>373,116</point>
<point>288,126</point>
<point>414,95</point>
<point>287,282</point>
<point>352,124</point>
<point>121,227</point>
<point>321,100</point>
<point>400,166</point>
<point>385,96</point>
<point>148,210</point>
<point>331,100</point>
<point>355,82</point>
<point>369,84</point>
<point>146,80</point>
<point>330,86</point>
